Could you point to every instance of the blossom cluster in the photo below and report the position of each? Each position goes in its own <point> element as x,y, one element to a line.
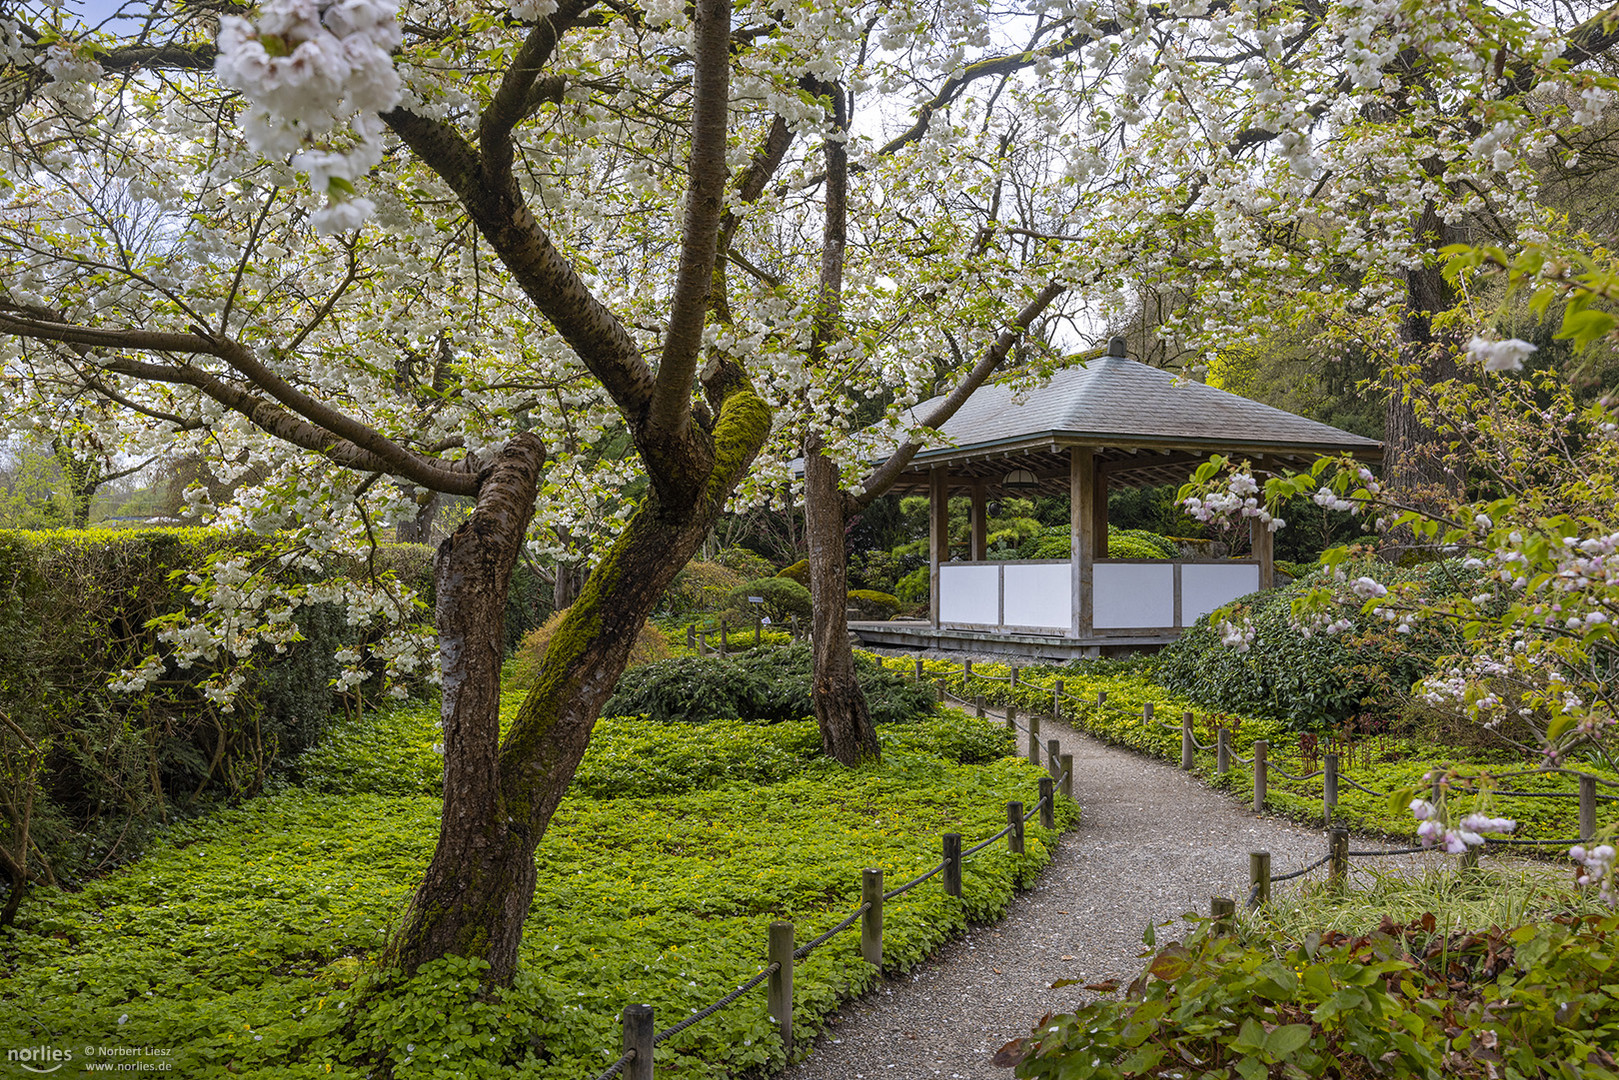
<point>1467,833</point>
<point>308,69</point>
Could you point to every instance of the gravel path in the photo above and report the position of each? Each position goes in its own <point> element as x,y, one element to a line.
<point>1152,844</point>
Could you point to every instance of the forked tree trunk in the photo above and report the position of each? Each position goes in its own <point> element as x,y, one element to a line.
<point>499,796</point>
<point>847,732</point>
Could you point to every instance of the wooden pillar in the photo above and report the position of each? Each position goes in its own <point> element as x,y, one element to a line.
<point>938,534</point>
<point>980,550</point>
<point>1082,532</point>
<point>1264,545</point>
<point>1099,513</point>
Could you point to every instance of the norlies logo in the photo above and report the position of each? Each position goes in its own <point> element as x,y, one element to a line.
<point>40,1059</point>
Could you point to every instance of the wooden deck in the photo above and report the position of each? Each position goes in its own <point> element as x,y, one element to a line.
<point>919,636</point>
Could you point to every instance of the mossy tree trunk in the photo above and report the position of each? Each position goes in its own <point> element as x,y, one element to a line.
<point>847,733</point>
<point>499,796</point>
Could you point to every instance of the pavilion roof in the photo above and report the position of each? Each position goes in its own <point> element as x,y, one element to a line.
<point>1147,426</point>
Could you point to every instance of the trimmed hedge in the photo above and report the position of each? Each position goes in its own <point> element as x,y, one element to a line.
<point>75,608</point>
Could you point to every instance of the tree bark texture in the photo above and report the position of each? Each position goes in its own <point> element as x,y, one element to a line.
<point>1413,454</point>
<point>499,796</point>
<point>847,732</point>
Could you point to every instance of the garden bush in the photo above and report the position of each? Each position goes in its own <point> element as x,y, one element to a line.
<point>798,571</point>
<point>1311,681</point>
<point>915,587</point>
<point>1533,1001</point>
<point>748,564</point>
<point>767,686</point>
<point>867,604</point>
<point>699,587</point>
<point>784,599</point>
<point>76,608</point>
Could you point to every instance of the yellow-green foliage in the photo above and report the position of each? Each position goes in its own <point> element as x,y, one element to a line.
<point>700,587</point>
<point>650,645</point>
<point>873,605</point>
<point>798,571</point>
<point>236,944</point>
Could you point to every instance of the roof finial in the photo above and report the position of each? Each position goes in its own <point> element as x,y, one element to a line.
<point>1117,347</point>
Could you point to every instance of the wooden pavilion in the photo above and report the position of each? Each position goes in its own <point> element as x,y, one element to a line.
<point>1114,422</point>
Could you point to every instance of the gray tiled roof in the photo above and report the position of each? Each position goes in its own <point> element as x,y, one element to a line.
<point>1117,401</point>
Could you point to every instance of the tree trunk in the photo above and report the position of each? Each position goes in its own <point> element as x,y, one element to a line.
<point>1413,455</point>
<point>419,529</point>
<point>499,796</point>
<point>847,733</point>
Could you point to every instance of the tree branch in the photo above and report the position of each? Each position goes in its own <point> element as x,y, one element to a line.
<point>883,476</point>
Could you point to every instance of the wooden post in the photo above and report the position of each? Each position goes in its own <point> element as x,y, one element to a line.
<point>1146,714</point>
<point>1224,912</point>
<point>1101,698</point>
<point>691,637</point>
<point>758,631</point>
<point>952,864</point>
<point>980,523</point>
<point>1011,679</point>
<point>702,644</point>
<point>966,670</point>
<point>1081,536</point>
<point>1048,810</point>
<point>938,535</point>
<point>781,982</point>
<point>1034,739</point>
<point>919,669</point>
<point>978,706</point>
<point>1056,700</point>
<point>795,627</point>
<point>1329,787</point>
<point>1011,718</point>
<point>1068,775</point>
<point>1263,541</point>
<point>1588,806</point>
<point>1338,862</point>
<point>1222,751</point>
<point>1014,818</point>
<point>1053,758</point>
<point>1188,746</point>
<point>871,923</point>
<point>1438,786</point>
<point>638,1037</point>
<point>1261,773</point>
<point>938,690</point>
<point>1259,875</point>
<point>725,644</point>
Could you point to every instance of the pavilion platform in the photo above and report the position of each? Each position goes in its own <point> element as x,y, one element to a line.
<point>920,636</point>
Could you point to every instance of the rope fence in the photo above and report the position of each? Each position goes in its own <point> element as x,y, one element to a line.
<point>1263,768</point>
<point>640,1038</point>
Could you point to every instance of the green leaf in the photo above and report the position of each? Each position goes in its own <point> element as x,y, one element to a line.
<point>1287,1040</point>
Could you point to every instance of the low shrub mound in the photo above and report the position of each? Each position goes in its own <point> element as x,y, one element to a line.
<point>699,587</point>
<point>1312,681</point>
<point>867,604</point>
<point>1533,1001</point>
<point>783,600</point>
<point>767,686</point>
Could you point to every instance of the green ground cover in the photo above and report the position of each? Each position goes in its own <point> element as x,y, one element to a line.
<point>242,941</point>
<point>1382,763</point>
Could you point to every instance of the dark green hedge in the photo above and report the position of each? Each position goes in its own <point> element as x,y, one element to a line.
<point>74,609</point>
<point>1320,680</point>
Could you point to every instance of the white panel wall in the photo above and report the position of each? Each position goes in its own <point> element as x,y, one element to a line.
<point>1206,586</point>
<point>1133,595</point>
<point>969,594</point>
<point>1039,594</point>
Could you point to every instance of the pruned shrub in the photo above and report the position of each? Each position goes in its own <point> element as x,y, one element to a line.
<point>866,604</point>
<point>750,564</point>
<point>798,571</point>
<point>783,598</point>
<point>914,587</point>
